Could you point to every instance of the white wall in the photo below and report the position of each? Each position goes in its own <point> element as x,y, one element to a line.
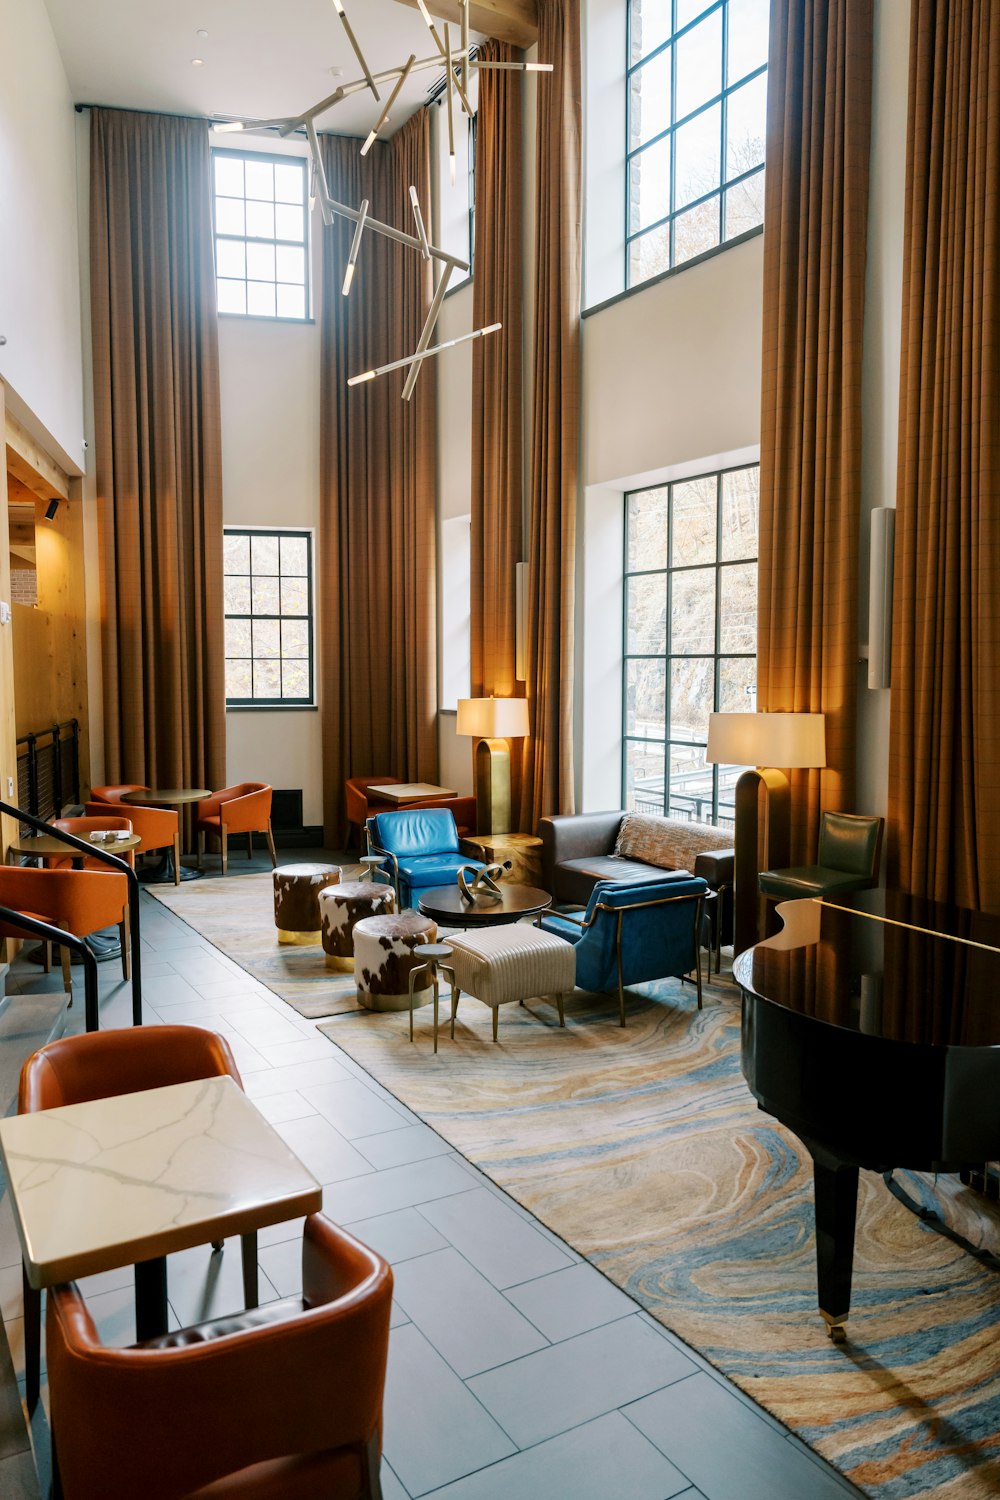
<point>454,372</point>
<point>40,363</point>
<point>269,374</point>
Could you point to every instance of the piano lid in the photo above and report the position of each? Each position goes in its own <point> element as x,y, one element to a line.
<point>883,964</point>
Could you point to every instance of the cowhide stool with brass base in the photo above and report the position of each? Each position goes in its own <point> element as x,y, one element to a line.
<point>342,907</point>
<point>296,900</point>
<point>433,958</point>
<point>383,957</point>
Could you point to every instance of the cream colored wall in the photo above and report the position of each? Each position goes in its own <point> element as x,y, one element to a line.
<point>40,363</point>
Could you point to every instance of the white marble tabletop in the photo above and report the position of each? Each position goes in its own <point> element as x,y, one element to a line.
<point>117,1181</point>
<point>411,791</point>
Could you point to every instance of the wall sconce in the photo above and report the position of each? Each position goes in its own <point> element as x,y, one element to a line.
<point>491,722</point>
<point>51,509</point>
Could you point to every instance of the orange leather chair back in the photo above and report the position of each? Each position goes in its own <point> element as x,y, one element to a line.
<point>296,1402</point>
<point>83,827</point>
<point>83,900</point>
<point>156,826</point>
<point>244,809</point>
<point>359,805</point>
<point>102,1064</point>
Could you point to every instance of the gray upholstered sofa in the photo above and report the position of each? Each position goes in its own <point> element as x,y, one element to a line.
<point>580,850</point>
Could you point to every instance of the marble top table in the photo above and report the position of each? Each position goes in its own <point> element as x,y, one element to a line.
<point>171,796</point>
<point>47,846</point>
<point>126,1180</point>
<point>411,791</point>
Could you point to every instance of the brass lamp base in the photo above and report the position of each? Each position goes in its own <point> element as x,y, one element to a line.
<point>753,811</point>
<point>492,765</point>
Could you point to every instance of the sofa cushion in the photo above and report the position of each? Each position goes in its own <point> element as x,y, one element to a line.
<point>577,876</point>
<point>669,843</point>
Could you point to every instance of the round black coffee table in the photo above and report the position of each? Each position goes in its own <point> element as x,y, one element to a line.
<point>446,904</point>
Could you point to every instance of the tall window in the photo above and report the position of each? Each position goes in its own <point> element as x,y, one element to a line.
<point>269,618</point>
<point>690,638</point>
<point>697,87</point>
<point>261,232</point>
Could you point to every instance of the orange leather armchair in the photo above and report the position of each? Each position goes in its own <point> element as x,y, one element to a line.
<point>79,901</point>
<point>83,828</point>
<point>360,807</point>
<point>101,1065</point>
<point>158,827</point>
<point>283,1403</point>
<point>236,809</point>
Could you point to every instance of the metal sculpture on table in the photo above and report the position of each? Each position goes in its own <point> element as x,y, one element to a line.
<point>482,884</point>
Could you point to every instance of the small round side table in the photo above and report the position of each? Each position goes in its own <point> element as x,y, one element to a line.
<point>434,956</point>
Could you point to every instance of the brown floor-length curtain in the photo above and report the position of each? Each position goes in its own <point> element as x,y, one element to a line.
<point>944,743</point>
<point>377,585</point>
<point>158,448</point>
<point>547,785</point>
<point>497,416</point>
<point>815,220</point>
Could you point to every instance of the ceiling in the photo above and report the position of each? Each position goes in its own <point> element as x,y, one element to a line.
<point>260,58</point>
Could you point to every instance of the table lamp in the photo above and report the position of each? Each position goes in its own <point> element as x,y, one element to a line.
<point>770,744</point>
<point>491,722</point>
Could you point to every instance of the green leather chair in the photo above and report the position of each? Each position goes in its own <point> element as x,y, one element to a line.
<point>850,850</point>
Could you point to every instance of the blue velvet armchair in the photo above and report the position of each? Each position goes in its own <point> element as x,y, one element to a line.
<point>632,933</point>
<point>420,846</point>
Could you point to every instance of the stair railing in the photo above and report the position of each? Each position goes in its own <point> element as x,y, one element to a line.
<point>51,934</point>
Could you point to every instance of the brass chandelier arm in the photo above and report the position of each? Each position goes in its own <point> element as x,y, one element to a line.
<point>426,331</point>
<point>341,12</point>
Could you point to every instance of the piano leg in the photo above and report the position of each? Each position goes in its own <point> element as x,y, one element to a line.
<point>836,1194</point>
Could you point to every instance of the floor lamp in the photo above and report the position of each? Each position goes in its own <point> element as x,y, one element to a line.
<point>491,722</point>
<point>763,742</point>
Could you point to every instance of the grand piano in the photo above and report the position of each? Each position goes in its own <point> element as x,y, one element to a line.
<point>871,1029</point>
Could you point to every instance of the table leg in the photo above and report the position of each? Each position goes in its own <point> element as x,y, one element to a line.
<point>835,1187</point>
<point>32,1304</point>
<point>150,1299</point>
<point>248,1250</point>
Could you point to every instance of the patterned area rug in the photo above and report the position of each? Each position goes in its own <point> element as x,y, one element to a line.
<point>645,1151</point>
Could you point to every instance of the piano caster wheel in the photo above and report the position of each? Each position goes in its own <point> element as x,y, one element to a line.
<point>837,1332</point>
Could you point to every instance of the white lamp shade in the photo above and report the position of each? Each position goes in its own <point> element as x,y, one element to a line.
<point>492,718</point>
<point>784,741</point>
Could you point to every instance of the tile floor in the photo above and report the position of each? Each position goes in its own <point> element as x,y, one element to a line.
<point>515,1368</point>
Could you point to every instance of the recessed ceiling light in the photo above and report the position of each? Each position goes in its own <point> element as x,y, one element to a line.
<point>197,62</point>
<point>201,33</point>
<point>336,72</point>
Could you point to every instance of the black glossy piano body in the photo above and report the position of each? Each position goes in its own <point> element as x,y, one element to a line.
<point>871,1029</point>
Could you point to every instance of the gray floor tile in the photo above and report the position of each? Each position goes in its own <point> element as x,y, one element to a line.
<point>397,1236</point>
<point>203,1283</point>
<point>282,1265</point>
<point>569,1383</point>
<point>593,1462</point>
<point>571,1301</point>
<point>465,1318</point>
<point>309,1049</point>
<point>391,1487</point>
<point>394,1148</point>
<point>260,1026</point>
<point>276,1234</point>
<point>296,1076</point>
<point>290,1106</point>
<point>725,1448</point>
<point>435,1430</point>
<point>199,968</point>
<point>506,1248</point>
<point>323,1150</point>
<point>18,1480</point>
<point>353,1108</point>
<point>398,1187</point>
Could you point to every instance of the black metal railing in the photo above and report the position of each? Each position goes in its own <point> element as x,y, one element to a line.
<point>94,851</point>
<point>48,769</point>
<point>32,927</point>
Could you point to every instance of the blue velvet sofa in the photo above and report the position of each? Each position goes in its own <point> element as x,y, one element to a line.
<point>421,850</point>
<point>633,932</point>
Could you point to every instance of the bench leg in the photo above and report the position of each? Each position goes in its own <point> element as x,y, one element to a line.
<point>562,1012</point>
<point>496,1020</point>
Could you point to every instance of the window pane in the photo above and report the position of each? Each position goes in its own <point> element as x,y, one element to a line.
<point>236,553</point>
<point>231,258</point>
<point>266,638</point>
<point>288,183</point>
<point>260,220</point>
<point>267,679</point>
<point>237,637</point>
<point>697,156</point>
<point>738,608</point>
<point>228,175</point>
<point>645,697</point>
<point>745,206</point>
<point>294,553</point>
<point>748,23</point>
<point>692,622</point>
<point>692,697</point>
<point>288,223</point>
<point>696,231</point>
<point>737,684</point>
<point>229,216</point>
<point>264,551</point>
<point>699,64</point>
<point>260,262</point>
<point>232,296</point>
<point>239,679</point>
<point>649,255</point>
<point>266,600</point>
<point>294,638</point>
<point>740,490</point>
<point>290,263</point>
<point>690,783</point>
<point>650,26</point>
<point>260,299</point>
<point>290,301</point>
<point>746,112</point>
<point>260,180</point>
<point>649,100</point>
<point>646,614</point>
<point>294,596</point>
<point>695,504</point>
<point>294,679</point>
<point>236,593</point>
<point>649,177</point>
<point>646,529</point>
<point>644,771</point>
<point>688,9</point>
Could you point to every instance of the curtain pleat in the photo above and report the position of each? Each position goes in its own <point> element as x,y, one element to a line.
<point>944,743</point>
<point>547,759</point>
<point>497,416</point>
<point>377,596</point>
<point>815,223</point>
<point>158,448</point>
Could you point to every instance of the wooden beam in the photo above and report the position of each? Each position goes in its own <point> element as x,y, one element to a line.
<point>8,749</point>
<point>29,463</point>
<point>514,21</point>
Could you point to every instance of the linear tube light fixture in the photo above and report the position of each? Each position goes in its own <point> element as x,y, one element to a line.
<point>451,104</point>
<point>397,364</point>
<point>384,116</point>
<point>418,219</point>
<point>341,12</point>
<point>352,259</point>
<point>515,67</point>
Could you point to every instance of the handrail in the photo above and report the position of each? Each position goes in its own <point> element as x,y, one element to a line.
<point>94,851</point>
<point>11,918</point>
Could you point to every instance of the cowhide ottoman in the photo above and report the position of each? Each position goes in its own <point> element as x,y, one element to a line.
<point>515,962</point>
<point>342,907</point>
<point>296,900</point>
<point>383,958</point>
